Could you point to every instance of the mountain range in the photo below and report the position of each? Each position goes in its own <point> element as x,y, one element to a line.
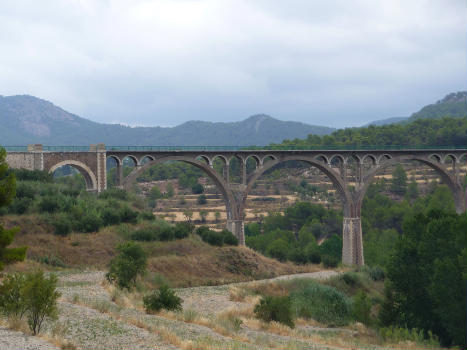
<point>27,119</point>
<point>452,105</point>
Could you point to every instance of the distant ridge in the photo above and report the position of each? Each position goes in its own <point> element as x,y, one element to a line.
<point>27,119</point>
<point>452,105</point>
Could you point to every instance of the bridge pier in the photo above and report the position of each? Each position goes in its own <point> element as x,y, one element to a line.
<point>237,227</point>
<point>352,242</point>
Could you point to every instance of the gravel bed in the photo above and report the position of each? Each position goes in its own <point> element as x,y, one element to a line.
<point>13,340</point>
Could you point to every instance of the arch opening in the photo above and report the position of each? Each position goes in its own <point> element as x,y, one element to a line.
<point>71,169</point>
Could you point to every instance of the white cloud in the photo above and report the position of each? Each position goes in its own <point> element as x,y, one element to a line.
<point>163,62</point>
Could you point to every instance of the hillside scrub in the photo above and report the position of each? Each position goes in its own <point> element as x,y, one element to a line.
<point>69,208</point>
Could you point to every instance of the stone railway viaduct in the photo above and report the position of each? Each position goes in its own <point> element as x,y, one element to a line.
<point>340,166</point>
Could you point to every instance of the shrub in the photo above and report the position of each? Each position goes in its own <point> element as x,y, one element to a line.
<point>116,193</point>
<point>144,235</point>
<point>167,233</point>
<point>278,249</point>
<point>197,188</point>
<point>202,199</point>
<point>329,261</point>
<point>164,298</point>
<point>183,229</point>
<point>147,215</point>
<point>49,204</point>
<point>20,205</point>
<point>128,215</point>
<point>127,265</point>
<point>298,256</point>
<point>349,278</point>
<point>24,190</point>
<point>40,296</point>
<point>62,225</point>
<point>229,237</point>
<point>361,308</point>
<point>110,217</point>
<point>214,238</point>
<point>376,273</point>
<point>273,308</point>
<point>323,303</point>
<point>11,295</point>
<point>90,222</point>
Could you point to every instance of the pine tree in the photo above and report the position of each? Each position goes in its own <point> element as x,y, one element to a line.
<point>7,192</point>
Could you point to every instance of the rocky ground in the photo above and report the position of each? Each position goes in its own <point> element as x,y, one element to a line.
<point>90,319</point>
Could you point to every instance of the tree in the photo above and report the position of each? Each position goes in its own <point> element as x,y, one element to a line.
<point>427,277</point>
<point>217,216</point>
<point>188,215</point>
<point>399,181</point>
<point>127,265</point>
<point>41,297</point>
<point>203,214</point>
<point>197,188</point>
<point>412,190</point>
<point>155,193</point>
<point>7,192</point>
<point>170,190</point>
<point>202,199</point>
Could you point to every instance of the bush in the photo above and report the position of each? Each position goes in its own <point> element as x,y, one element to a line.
<point>214,238</point>
<point>376,273</point>
<point>183,229</point>
<point>229,237</point>
<point>62,225</point>
<point>144,235</point>
<point>278,250</point>
<point>20,205</point>
<point>349,278</point>
<point>90,222</point>
<point>147,215</point>
<point>49,204</point>
<point>202,199</point>
<point>329,261</point>
<point>40,296</point>
<point>273,308</point>
<point>323,303</point>
<point>116,193</point>
<point>127,265</point>
<point>24,190</point>
<point>32,295</point>
<point>110,217</point>
<point>197,188</point>
<point>128,215</point>
<point>167,233</point>
<point>361,308</point>
<point>11,295</point>
<point>298,256</point>
<point>164,298</point>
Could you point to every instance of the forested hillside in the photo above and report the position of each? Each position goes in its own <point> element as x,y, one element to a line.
<point>422,132</point>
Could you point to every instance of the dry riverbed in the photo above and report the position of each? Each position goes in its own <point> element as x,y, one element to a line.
<point>93,315</point>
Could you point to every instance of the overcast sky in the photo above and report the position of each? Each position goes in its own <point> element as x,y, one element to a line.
<point>164,62</point>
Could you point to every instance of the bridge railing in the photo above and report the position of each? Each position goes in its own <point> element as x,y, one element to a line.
<point>234,148</point>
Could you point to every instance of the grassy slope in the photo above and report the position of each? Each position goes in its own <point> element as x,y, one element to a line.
<point>186,262</point>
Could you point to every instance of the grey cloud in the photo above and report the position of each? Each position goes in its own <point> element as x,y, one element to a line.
<point>163,62</point>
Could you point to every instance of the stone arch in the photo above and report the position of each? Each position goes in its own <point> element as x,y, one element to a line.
<point>256,158</point>
<point>452,156</point>
<point>448,179</point>
<point>118,160</point>
<point>222,157</point>
<point>206,159</point>
<point>337,156</point>
<point>328,171</point>
<point>133,158</point>
<point>147,156</point>
<point>268,156</point>
<point>383,158</point>
<point>373,158</point>
<point>233,212</point>
<point>89,176</point>
<point>322,158</point>
<point>435,156</point>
